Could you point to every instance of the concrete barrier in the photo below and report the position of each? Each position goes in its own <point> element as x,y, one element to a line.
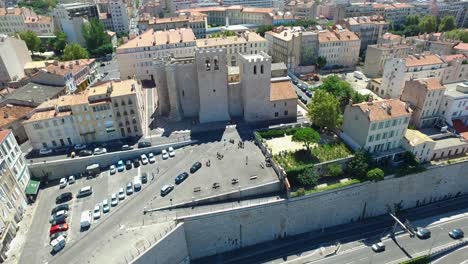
<point>57,169</point>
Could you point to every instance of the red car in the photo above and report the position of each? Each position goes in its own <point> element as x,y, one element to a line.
<point>58,228</point>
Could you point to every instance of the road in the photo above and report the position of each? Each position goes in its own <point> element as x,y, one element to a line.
<point>355,239</point>
<point>459,256</point>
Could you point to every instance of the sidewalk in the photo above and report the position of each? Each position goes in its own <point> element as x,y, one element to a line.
<point>17,244</point>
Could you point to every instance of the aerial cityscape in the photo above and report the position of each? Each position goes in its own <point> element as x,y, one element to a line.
<point>233,131</point>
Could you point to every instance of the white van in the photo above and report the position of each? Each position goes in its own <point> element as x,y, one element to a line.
<point>136,183</point>
<point>58,243</point>
<point>85,191</point>
<point>85,220</point>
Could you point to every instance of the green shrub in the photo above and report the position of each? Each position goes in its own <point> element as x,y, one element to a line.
<point>334,170</point>
<point>300,192</point>
<point>419,260</point>
<point>375,175</point>
<point>272,133</point>
<point>308,177</point>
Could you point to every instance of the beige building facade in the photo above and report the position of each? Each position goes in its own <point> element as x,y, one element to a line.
<point>14,20</point>
<point>196,22</point>
<point>14,55</point>
<point>421,145</point>
<point>369,29</point>
<point>377,55</point>
<point>110,111</point>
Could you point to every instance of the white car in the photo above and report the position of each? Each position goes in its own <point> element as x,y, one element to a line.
<point>171,152</point>
<point>63,183</point>
<point>378,247</point>
<point>152,158</point>
<point>105,206</point>
<point>112,169</point>
<point>71,179</point>
<point>99,151</point>
<point>144,159</point>
<point>79,146</point>
<point>45,151</point>
<point>97,211</point>
<point>164,154</point>
<point>114,200</point>
<point>121,194</point>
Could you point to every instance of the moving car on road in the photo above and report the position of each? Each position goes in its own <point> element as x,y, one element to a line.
<point>45,151</point>
<point>378,247</point>
<point>100,151</point>
<point>63,183</point>
<point>166,189</point>
<point>196,166</point>
<point>64,197</point>
<point>126,147</point>
<point>79,147</point>
<point>181,177</point>
<point>423,233</point>
<point>144,144</point>
<point>85,153</point>
<point>456,233</point>
<point>58,228</point>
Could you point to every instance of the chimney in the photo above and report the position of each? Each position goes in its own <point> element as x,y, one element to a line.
<point>389,109</point>
<point>55,63</point>
<point>77,62</point>
<point>5,115</point>
<point>407,106</point>
<point>62,66</point>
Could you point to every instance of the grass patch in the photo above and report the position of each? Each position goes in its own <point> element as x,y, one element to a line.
<point>327,188</point>
<point>419,260</point>
<point>329,152</point>
<point>291,160</point>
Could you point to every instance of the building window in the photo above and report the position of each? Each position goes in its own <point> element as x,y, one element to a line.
<point>276,114</point>
<point>255,69</point>
<point>373,126</point>
<point>130,101</point>
<point>44,145</point>
<point>62,142</point>
<point>135,128</point>
<point>216,65</point>
<point>207,64</point>
<point>129,130</point>
<point>286,112</point>
<point>69,141</point>
<point>54,143</point>
<point>371,138</point>
<point>261,69</point>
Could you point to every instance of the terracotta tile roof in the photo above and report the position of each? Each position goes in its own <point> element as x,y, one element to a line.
<point>282,91</point>
<point>461,46</point>
<point>383,110</point>
<point>422,60</point>
<point>151,37</point>
<point>337,35</point>
<point>4,134</point>
<point>65,67</point>
<point>224,9</point>
<point>429,83</point>
<point>365,20</point>
<point>48,114</point>
<point>391,36</point>
<point>11,113</point>
<point>193,18</point>
<point>221,41</point>
<point>449,58</point>
<point>119,88</point>
<point>13,11</point>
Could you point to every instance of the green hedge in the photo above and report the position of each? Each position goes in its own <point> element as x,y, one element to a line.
<point>272,133</point>
<point>418,260</point>
<point>294,172</point>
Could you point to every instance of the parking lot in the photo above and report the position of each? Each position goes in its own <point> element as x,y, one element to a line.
<point>243,164</point>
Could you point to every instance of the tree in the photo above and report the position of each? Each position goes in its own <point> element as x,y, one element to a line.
<point>33,42</point>
<point>412,20</point>
<point>358,166</point>
<point>264,28</point>
<point>428,24</point>
<point>447,24</point>
<point>306,135</point>
<point>324,111</point>
<point>321,62</point>
<point>375,175</point>
<point>308,177</point>
<point>308,56</point>
<point>74,51</point>
<point>457,34</point>
<point>334,170</point>
<point>59,42</point>
<point>95,36</point>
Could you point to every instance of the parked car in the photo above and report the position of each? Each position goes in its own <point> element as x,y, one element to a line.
<point>136,163</point>
<point>129,188</point>
<point>120,166</point>
<point>105,206</point>
<point>151,158</point>
<point>63,183</point>
<point>423,233</point>
<point>85,153</point>
<point>164,154</point>
<point>45,151</point>
<point>64,197</point>
<point>171,152</point>
<point>128,164</point>
<point>456,233</point>
<point>196,166</point>
<point>166,189</point>
<point>59,217</point>
<point>112,169</point>
<point>181,177</point>
<point>126,147</point>
<point>378,247</point>
<point>85,220</point>
<point>144,177</point>
<point>58,244</point>
<point>114,200</point>
<point>79,147</point>
<point>71,179</point>
<point>55,235</point>
<point>85,191</point>
<point>58,228</point>
<point>100,151</point>
<point>121,194</point>
<point>144,144</point>
<point>60,207</point>
<point>144,159</point>
<point>294,81</point>
<point>97,211</point>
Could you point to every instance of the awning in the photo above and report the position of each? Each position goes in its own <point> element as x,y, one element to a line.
<point>33,187</point>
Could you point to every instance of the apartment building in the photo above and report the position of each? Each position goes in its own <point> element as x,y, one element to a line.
<point>377,55</point>
<point>285,45</point>
<point>136,56</point>
<point>246,43</point>
<point>12,205</point>
<point>420,144</point>
<point>395,12</point>
<point>461,48</point>
<point>455,105</point>
<point>389,38</point>
<point>457,68</point>
<point>14,19</point>
<point>206,88</point>
<point>14,159</point>
<point>109,111</point>
<point>433,43</point>
<point>12,116</point>
<point>399,70</point>
<point>456,8</point>
<point>425,97</point>
<point>252,3</point>
<point>14,55</point>
<point>302,9</point>
<point>70,19</point>
<point>369,29</point>
<point>377,126</point>
<point>173,6</point>
<point>118,14</point>
<point>75,75</point>
<point>195,22</point>
<point>340,47</point>
<point>234,15</point>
